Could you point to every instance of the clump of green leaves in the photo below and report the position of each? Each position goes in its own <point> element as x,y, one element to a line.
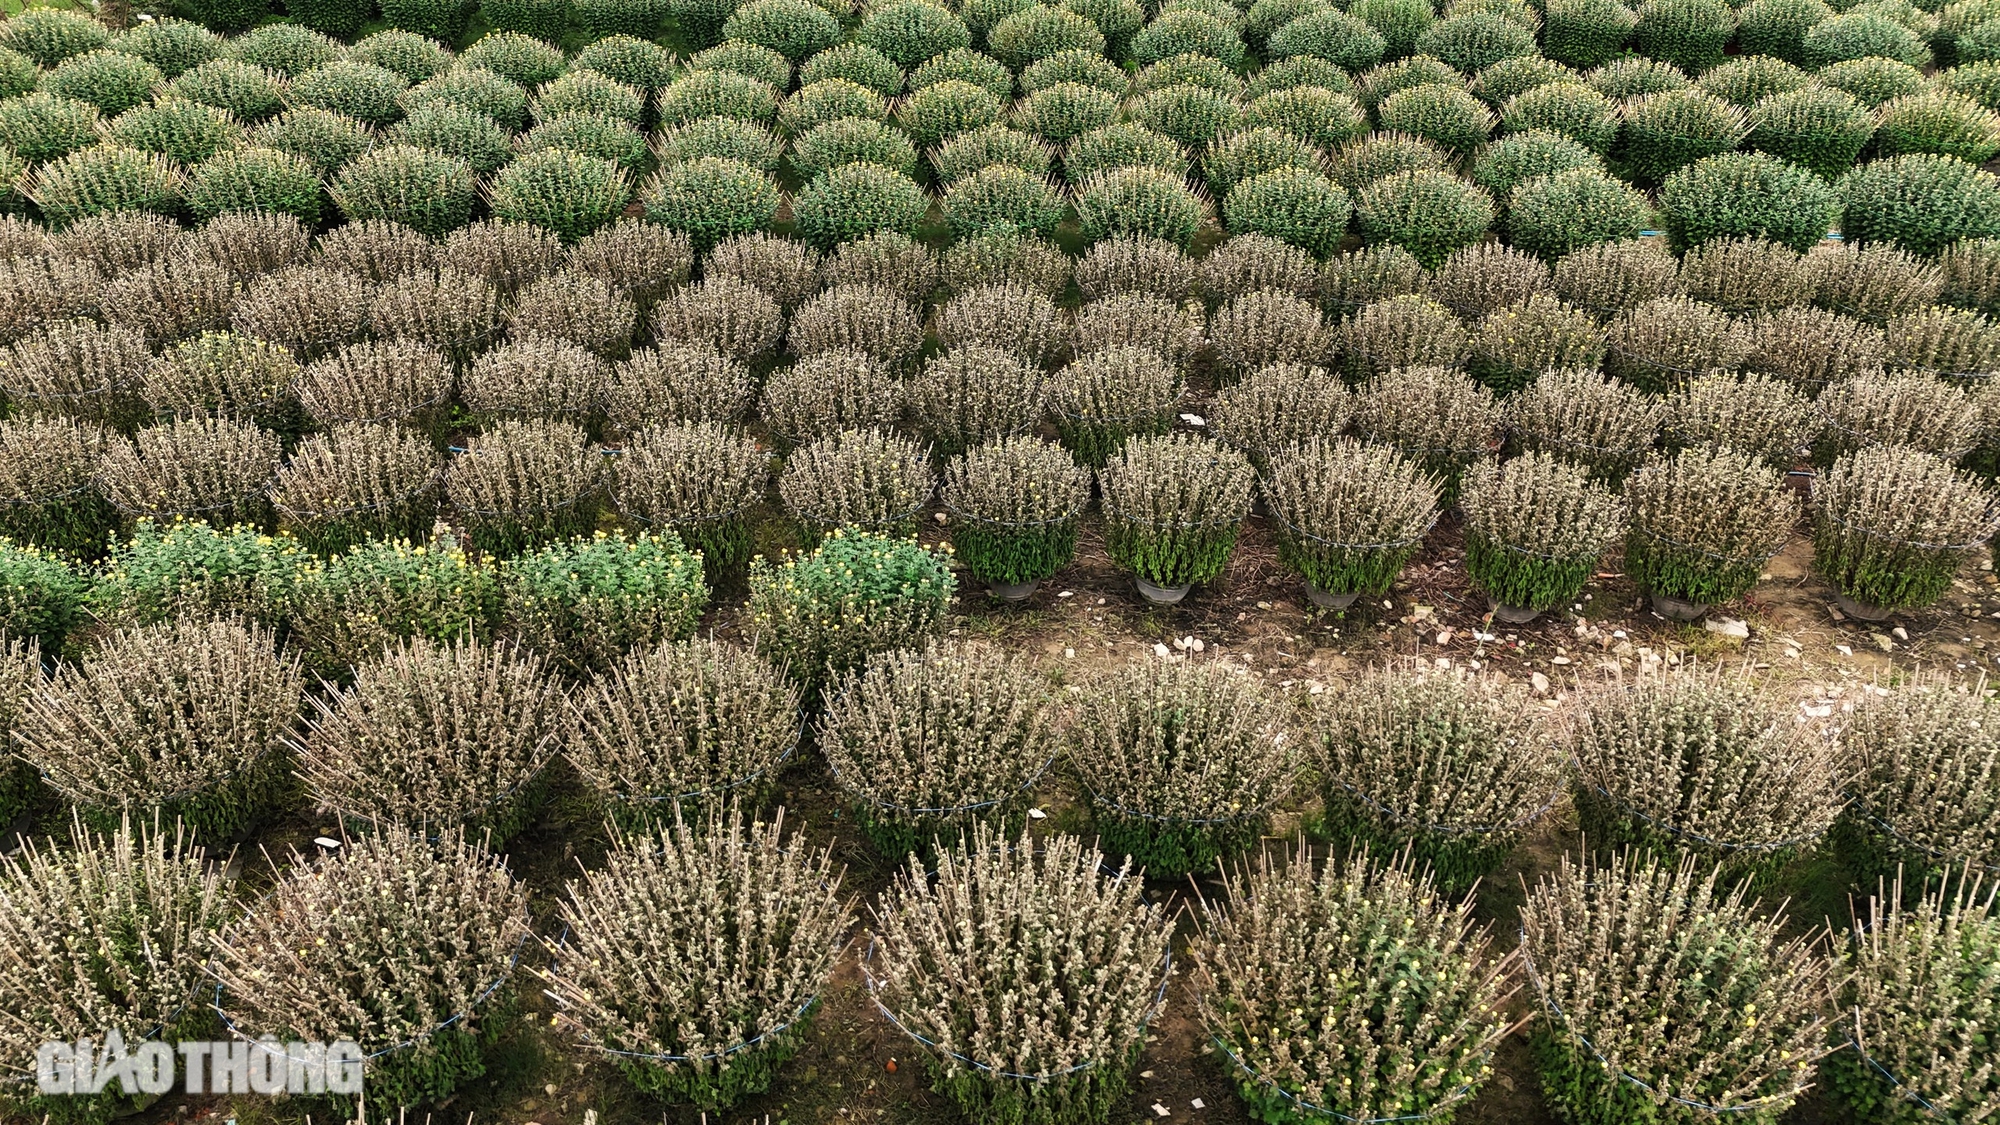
<point>585,602</point>
<point>824,611</point>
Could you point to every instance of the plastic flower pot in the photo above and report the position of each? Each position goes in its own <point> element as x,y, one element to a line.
<point>1324,600</point>
<point>1678,609</point>
<point>1159,595</point>
<point>1512,614</point>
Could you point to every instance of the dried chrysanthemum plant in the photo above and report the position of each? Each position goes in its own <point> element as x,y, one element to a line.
<point>677,383</point>
<point>1278,406</point>
<point>1182,763</point>
<point>974,393</point>
<point>927,742</point>
<point>209,469</point>
<point>1811,347</point>
<point>1400,332</point>
<point>109,935</point>
<point>48,485</point>
<point>1891,527</point>
<point>1667,341</point>
<point>1535,528</point>
<point>20,673</point>
<point>188,718</point>
<point>1663,999</point>
<point>823,612</point>
<point>1264,327</point>
<point>700,481</point>
<point>1760,415</point>
<point>584,602</point>
<point>1173,506</point>
<point>522,484</point>
<point>225,375</point>
<point>536,378</point>
<point>1601,425</point>
<point>1348,515</point>
<point>1924,997</point>
<point>1702,762</point>
<point>691,725</point>
<point>1451,766</point>
<point>400,381</point>
<point>1015,503</point>
<point>1063,969</point>
<point>1922,762</point>
<point>1435,416</point>
<point>1416,1003</point>
<point>1701,525</point>
<point>78,369</point>
<point>640,976</point>
<point>864,479</point>
<point>1110,394</point>
<point>1904,408</point>
<point>435,735</point>
<point>399,943</point>
<point>827,392</point>
<point>355,482</point>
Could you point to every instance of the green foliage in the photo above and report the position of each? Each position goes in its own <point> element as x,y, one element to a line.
<point>521,59</point>
<point>1348,515</point>
<point>175,46</point>
<point>456,131</point>
<point>51,35</point>
<point>1690,34</point>
<point>476,88</point>
<point>1747,195</point>
<point>1777,28</point>
<point>1938,122</point>
<point>587,134</point>
<point>42,127</point>
<point>1586,33</point>
<point>566,193</point>
<point>1570,109</point>
<point>1873,81</point>
<point>338,18</point>
<point>189,570</point>
<point>1315,114</point>
<point>429,192</point>
<point>858,63</point>
<point>1145,201</point>
<point>1328,33</point>
<point>992,146</point>
<point>1039,31</point>
<point>345,610</point>
<point>95,181</point>
<point>964,65</point>
<point>1476,40</point>
<point>585,602</point>
<point>711,198</point>
<point>537,19</point>
<point>183,131</point>
<point>1664,132</point>
<point>1002,197</point>
<point>912,32</point>
<point>1815,127</point>
<point>626,58</point>
<point>1293,205</point>
<point>1747,80</point>
<point>942,110</point>
<point>1400,23</point>
<point>284,49</point>
<point>113,81</point>
<point>1862,34</point>
<point>1448,116</point>
<point>1299,70</point>
<point>1705,522</point>
<point>257,181</point>
<point>829,100</point>
<point>1376,86</point>
<point>1979,81</point>
<point>824,612</point>
<point>1190,115</point>
<point>1634,77</point>
<point>1430,214</point>
<point>587,91</point>
<point>1551,216</point>
<point>18,74</point>
<point>1187,32</point>
<point>434,19</point>
<point>1517,158</point>
<point>730,138</point>
<point>1015,502</point>
<point>852,140</point>
<point>1123,145</point>
<point>1921,202</point>
<point>855,200</point>
<point>1251,152</point>
<point>41,595</point>
<point>1059,112</point>
<point>793,28</point>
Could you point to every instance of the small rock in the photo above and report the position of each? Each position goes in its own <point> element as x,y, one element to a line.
<point>1067,594</point>
<point>1899,633</point>
<point>940,517</point>
<point>1444,636</point>
<point>1161,651</point>
<point>1197,1103</point>
<point>1037,814</point>
<point>1882,642</point>
<point>1420,612</point>
<point>1728,627</point>
<point>1161,1110</point>
<point>1540,682</point>
<point>1195,643</point>
<point>1194,419</point>
<point>1069,654</point>
<point>1559,660</point>
<point>549,1089</point>
<point>1844,650</point>
<point>326,842</point>
<point>1263,605</point>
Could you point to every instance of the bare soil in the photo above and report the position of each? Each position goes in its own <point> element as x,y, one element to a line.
<point>856,1067</point>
